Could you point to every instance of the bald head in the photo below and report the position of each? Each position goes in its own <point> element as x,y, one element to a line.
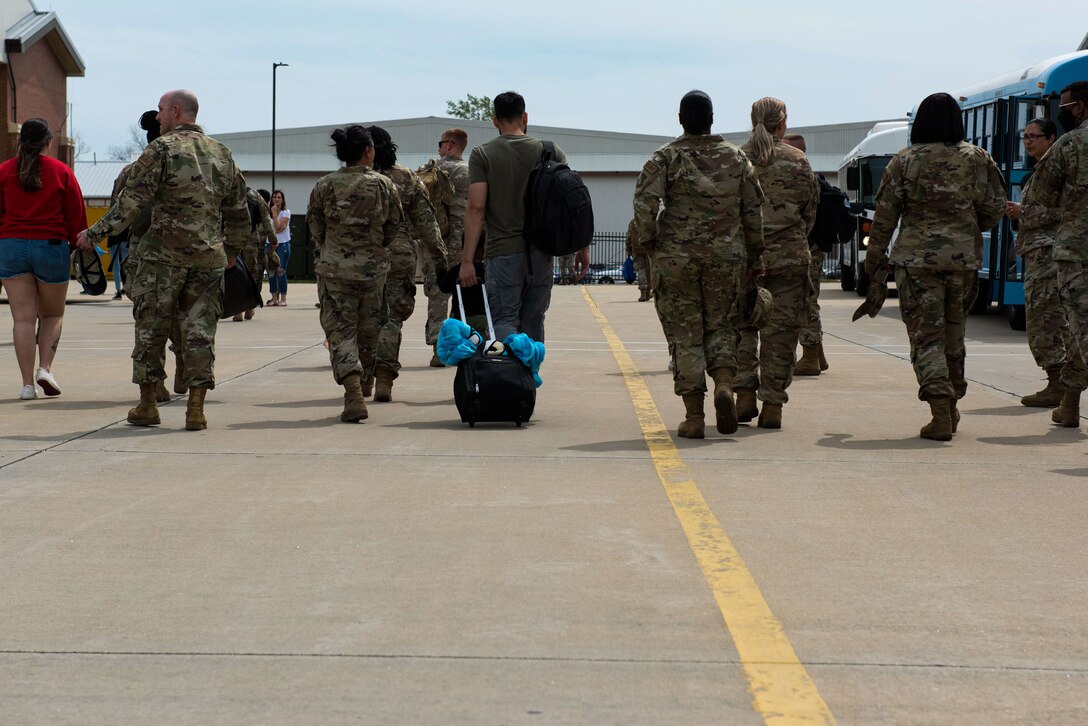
<point>797,141</point>
<point>177,107</point>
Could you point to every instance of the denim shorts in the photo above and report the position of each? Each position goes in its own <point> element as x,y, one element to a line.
<point>49,260</point>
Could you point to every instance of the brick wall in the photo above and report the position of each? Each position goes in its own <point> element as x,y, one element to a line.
<point>41,90</point>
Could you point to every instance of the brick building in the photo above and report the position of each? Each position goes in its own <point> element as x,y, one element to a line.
<point>35,62</point>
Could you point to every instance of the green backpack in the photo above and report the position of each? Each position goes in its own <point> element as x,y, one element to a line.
<point>439,191</point>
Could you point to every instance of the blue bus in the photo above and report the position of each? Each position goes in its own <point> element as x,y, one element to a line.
<point>995,114</point>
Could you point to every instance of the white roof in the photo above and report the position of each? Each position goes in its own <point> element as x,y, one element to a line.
<point>96,178</point>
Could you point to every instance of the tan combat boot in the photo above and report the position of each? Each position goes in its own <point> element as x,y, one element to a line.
<point>161,394</point>
<point>354,405</point>
<point>747,409</point>
<point>1068,413</point>
<point>940,426</point>
<point>644,295</point>
<point>181,386</point>
<point>367,385</point>
<point>383,385</point>
<point>146,412</point>
<point>823,360</point>
<point>809,364</point>
<point>954,413</point>
<point>194,411</point>
<point>771,416</point>
<point>1051,395</point>
<point>692,427</point>
<point>725,409</point>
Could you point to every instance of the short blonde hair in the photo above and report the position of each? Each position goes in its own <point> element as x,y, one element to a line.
<point>457,136</point>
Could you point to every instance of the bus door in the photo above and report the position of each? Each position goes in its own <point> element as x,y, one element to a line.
<point>1014,164</point>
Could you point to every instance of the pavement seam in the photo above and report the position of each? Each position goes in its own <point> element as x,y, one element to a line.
<point>782,690</point>
<point>528,659</point>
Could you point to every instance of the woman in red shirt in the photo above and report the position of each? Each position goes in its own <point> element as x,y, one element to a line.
<point>41,213</point>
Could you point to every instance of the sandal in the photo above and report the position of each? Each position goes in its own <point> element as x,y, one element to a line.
<point>270,303</point>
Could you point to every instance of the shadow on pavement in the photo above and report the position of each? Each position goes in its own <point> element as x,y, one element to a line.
<point>840,441</point>
<point>456,425</point>
<point>332,420</point>
<point>1005,411</point>
<point>1070,472</point>
<point>306,369</point>
<point>1056,435</point>
<point>443,402</point>
<point>317,403</point>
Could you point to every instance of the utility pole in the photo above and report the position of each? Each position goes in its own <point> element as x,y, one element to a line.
<point>274,67</point>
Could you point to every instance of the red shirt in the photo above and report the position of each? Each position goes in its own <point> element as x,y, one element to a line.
<point>55,211</point>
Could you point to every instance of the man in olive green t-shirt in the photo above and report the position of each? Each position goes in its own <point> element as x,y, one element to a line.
<point>519,280</point>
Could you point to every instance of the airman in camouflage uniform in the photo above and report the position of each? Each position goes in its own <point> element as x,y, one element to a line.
<point>642,264</point>
<point>705,246</point>
<point>262,228</point>
<point>1060,183</point>
<point>1047,328</point>
<point>399,297</point>
<point>766,357</point>
<point>353,216</point>
<point>451,148</point>
<point>942,195</point>
<point>199,219</point>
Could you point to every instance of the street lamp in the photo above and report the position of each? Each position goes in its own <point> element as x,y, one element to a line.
<point>274,67</point>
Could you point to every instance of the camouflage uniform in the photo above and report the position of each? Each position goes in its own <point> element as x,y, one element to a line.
<point>261,230</point>
<point>566,269</point>
<point>642,261</point>
<point>1046,323</point>
<point>438,302</point>
<point>766,357</point>
<point>812,334</point>
<point>399,296</point>
<point>198,219</point>
<point>353,216</point>
<point>1060,183</point>
<point>942,196</point>
<point>708,236</point>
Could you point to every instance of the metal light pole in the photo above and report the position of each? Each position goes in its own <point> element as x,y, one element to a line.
<point>274,67</point>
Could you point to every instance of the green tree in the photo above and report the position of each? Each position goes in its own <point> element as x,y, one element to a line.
<point>473,108</point>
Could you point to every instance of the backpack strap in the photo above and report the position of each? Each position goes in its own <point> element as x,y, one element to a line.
<point>549,151</point>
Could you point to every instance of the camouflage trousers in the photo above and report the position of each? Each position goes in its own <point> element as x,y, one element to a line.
<point>1073,293</point>
<point>351,319</point>
<point>438,302</point>
<point>398,303</point>
<point>1046,321</point>
<point>697,301</point>
<point>766,357</point>
<point>187,300</point>
<point>934,306</point>
<point>812,335</point>
<point>644,271</point>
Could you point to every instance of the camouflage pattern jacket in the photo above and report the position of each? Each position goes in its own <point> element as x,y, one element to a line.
<point>1038,224</point>
<point>418,221</point>
<point>196,197</point>
<point>1060,183</point>
<point>458,172</point>
<point>712,201</point>
<point>791,195</point>
<point>265,229</point>
<point>946,195</point>
<point>139,227</point>
<point>353,216</point>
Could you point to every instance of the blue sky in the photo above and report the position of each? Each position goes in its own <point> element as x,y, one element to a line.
<point>614,66</point>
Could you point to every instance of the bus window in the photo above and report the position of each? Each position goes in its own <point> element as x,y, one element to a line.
<point>872,171</point>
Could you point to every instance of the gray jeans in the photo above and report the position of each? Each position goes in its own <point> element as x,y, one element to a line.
<point>519,300</point>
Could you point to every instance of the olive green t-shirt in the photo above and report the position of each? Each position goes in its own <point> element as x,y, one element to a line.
<point>504,164</point>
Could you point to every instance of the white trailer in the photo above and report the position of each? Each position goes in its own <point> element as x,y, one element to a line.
<point>860,173</point>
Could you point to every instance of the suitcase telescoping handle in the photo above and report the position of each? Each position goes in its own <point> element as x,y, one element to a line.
<point>487,312</point>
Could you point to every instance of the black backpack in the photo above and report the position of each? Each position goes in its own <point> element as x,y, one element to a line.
<point>834,222</point>
<point>558,211</point>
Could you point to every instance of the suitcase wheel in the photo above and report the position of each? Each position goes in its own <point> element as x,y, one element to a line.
<point>472,424</point>
<point>518,423</point>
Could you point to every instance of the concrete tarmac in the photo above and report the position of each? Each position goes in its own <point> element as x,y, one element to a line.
<point>283,567</point>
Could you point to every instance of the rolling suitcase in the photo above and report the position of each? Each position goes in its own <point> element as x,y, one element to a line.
<point>492,388</point>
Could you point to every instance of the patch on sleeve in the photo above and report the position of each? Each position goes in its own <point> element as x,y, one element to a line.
<point>651,168</point>
<point>145,160</point>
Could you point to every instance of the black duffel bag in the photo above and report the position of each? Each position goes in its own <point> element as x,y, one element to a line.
<point>240,292</point>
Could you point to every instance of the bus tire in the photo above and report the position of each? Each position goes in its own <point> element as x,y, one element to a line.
<point>847,280</point>
<point>982,300</point>
<point>1018,319</point>
<point>862,288</point>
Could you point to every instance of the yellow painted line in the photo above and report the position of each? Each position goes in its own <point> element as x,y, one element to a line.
<point>782,690</point>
